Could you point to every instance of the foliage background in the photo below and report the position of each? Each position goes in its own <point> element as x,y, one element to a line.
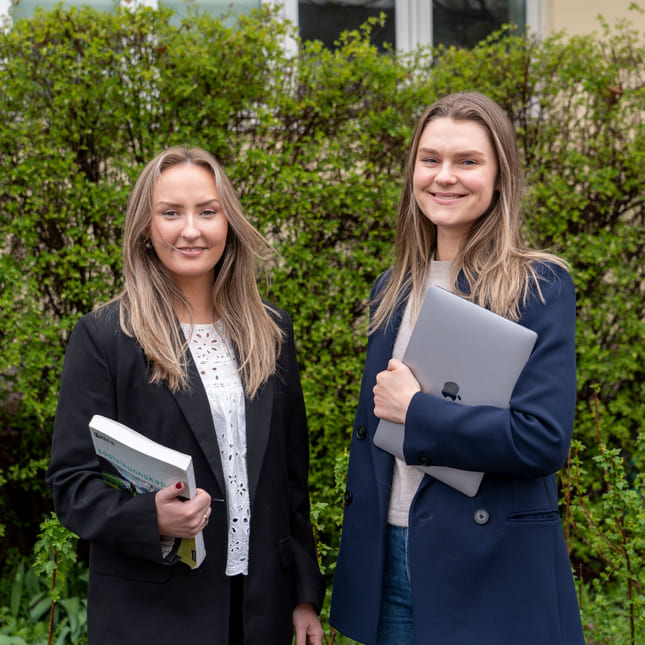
<point>315,140</point>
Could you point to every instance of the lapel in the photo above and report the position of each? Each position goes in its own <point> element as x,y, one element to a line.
<point>258,424</point>
<point>381,350</point>
<point>383,340</point>
<point>196,408</point>
<point>194,404</point>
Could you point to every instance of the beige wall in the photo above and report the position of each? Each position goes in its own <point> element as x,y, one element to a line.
<point>580,16</point>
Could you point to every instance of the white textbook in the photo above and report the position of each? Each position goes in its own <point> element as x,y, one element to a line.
<point>136,464</point>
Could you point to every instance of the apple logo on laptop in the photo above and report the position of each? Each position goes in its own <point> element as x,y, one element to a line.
<point>450,390</point>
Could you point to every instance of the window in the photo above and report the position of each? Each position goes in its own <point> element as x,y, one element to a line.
<point>463,23</point>
<point>325,20</point>
<point>214,7</point>
<point>408,23</point>
<point>26,8</point>
<point>412,22</point>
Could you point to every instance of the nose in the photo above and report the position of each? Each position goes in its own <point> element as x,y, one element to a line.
<point>445,174</point>
<point>190,230</point>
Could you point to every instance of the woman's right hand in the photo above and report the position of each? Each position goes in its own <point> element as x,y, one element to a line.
<point>181,518</point>
<point>393,391</point>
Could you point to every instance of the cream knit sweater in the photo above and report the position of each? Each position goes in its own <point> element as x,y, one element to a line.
<point>406,479</point>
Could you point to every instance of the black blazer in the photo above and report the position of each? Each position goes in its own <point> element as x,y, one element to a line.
<point>134,595</point>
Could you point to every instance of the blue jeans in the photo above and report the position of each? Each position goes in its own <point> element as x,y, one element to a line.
<point>395,621</point>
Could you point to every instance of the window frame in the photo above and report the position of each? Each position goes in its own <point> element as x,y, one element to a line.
<point>413,18</point>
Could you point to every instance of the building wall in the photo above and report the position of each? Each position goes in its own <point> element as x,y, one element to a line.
<point>580,16</point>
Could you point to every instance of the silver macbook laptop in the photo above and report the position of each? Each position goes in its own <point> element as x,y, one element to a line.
<point>464,353</point>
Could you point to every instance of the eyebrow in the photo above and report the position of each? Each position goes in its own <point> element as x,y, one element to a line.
<point>459,153</point>
<point>200,205</point>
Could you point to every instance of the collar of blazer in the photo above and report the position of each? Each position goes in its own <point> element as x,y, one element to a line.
<point>392,327</point>
<point>195,407</point>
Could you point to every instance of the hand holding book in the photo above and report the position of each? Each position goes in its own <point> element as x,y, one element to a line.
<point>180,517</point>
<point>133,462</point>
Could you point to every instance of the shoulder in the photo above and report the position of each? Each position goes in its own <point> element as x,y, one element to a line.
<point>380,282</point>
<point>284,323</point>
<point>102,322</point>
<point>280,316</point>
<point>551,271</point>
<point>97,339</point>
<point>108,313</point>
<point>551,281</point>
<point>551,298</point>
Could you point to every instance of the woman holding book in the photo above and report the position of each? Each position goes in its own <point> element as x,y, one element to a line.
<point>190,356</point>
<point>419,561</point>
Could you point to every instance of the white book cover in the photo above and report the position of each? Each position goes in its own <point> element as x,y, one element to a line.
<point>136,464</point>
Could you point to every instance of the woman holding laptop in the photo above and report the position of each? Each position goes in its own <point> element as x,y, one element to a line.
<point>421,562</point>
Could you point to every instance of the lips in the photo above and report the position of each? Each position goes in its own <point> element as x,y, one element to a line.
<point>447,195</point>
<point>191,250</point>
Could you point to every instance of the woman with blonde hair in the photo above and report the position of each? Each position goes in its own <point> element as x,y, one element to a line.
<point>419,561</point>
<point>190,356</point>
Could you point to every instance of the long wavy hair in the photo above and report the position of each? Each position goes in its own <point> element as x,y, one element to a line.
<point>150,295</point>
<point>498,268</point>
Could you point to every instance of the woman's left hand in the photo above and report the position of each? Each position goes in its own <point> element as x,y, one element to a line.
<point>307,626</point>
<point>393,391</point>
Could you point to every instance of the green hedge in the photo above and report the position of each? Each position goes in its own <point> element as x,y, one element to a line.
<point>315,140</point>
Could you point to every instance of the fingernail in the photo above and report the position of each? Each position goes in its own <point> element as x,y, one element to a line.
<point>178,485</point>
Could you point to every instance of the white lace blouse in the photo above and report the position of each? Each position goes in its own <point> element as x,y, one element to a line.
<point>217,366</point>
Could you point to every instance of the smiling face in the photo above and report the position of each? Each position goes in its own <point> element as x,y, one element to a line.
<point>188,227</point>
<point>454,180</point>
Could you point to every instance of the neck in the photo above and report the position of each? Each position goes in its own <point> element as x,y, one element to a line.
<point>447,248</point>
<point>200,306</point>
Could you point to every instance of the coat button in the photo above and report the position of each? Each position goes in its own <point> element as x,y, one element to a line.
<point>424,460</point>
<point>361,432</point>
<point>481,516</point>
<point>348,497</point>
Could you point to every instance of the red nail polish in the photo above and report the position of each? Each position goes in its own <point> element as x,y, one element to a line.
<point>178,485</point>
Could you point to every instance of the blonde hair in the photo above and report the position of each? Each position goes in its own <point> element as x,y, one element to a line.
<point>499,269</point>
<point>147,303</point>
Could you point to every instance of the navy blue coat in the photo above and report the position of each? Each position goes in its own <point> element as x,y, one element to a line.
<point>134,595</point>
<point>502,580</point>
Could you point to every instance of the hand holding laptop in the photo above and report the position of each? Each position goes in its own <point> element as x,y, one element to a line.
<point>463,353</point>
<point>393,391</point>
